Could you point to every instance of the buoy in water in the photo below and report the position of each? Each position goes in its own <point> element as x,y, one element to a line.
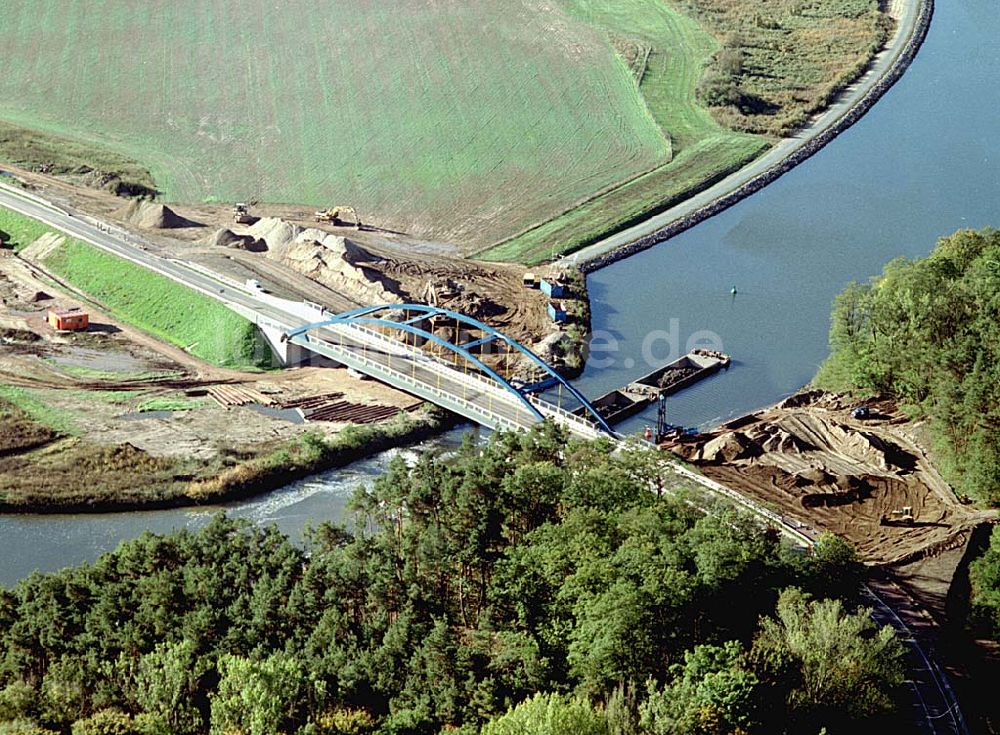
<point>733,292</point>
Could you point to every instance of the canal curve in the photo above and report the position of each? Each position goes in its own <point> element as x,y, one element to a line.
<point>924,162</point>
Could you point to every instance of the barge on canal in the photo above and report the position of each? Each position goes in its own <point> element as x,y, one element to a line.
<point>668,379</point>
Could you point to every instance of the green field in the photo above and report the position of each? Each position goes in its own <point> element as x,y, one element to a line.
<point>514,130</point>
<point>702,150</point>
<point>450,120</point>
<point>157,305</point>
<point>20,231</point>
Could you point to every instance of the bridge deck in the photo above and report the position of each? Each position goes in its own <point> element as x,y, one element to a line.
<point>469,394</point>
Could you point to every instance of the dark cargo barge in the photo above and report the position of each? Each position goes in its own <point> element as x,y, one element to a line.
<point>668,379</point>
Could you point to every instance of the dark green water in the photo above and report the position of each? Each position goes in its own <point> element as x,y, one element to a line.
<point>923,163</point>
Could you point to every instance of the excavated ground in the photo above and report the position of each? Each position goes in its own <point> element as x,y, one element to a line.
<point>379,264</point>
<point>92,410</point>
<point>811,460</point>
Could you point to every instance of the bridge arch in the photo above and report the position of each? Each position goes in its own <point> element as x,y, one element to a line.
<point>416,314</point>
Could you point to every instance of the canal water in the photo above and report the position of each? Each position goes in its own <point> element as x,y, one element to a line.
<point>923,163</point>
<point>49,543</point>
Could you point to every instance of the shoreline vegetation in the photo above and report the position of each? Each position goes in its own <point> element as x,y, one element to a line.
<point>310,453</point>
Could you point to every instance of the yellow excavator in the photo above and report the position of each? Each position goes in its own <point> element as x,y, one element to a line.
<point>336,216</point>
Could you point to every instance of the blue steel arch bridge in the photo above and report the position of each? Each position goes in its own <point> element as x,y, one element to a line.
<point>455,361</point>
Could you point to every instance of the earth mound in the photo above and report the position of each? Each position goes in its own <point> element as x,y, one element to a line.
<point>329,259</point>
<point>152,216</point>
<point>226,238</point>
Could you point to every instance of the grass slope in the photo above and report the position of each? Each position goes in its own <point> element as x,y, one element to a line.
<point>704,151</point>
<point>451,120</point>
<point>157,305</point>
<point>20,231</point>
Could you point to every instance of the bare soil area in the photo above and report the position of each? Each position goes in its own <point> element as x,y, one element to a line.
<point>809,458</point>
<point>113,414</point>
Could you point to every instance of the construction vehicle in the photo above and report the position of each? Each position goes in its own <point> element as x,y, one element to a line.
<point>241,214</point>
<point>902,517</point>
<point>336,217</point>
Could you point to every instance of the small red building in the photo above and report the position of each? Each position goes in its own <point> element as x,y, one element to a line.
<point>68,319</point>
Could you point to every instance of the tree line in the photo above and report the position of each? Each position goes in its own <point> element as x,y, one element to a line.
<point>531,585</point>
<point>927,333</point>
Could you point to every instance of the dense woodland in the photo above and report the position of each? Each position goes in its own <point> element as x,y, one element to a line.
<point>528,586</point>
<point>927,333</point>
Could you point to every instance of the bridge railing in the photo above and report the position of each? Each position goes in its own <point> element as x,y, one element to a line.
<point>405,350</point>
<point>560,414</point>
<point>383,370</point>
<point>557,412</point>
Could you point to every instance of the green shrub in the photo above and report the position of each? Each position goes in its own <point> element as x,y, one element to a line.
<point>549,714</point>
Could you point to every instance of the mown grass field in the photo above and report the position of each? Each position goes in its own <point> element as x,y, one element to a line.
<point>515,130</point>
<point>449,120</point>
<point>703,150</point>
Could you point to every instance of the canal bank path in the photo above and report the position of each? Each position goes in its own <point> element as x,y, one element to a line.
<point>912,20</point>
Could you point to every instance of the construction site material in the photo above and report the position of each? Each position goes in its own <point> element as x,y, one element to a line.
<point>342,216</point>
<point>869,481</point>
<point>231,396</point>
<point>335,262</point>
<point>152,216</point>
<point>226,238</point>
<point>352,413</point>
<point>329,407</point>
<point>679,374</point>
<point>68,320</point>
<point>902,517</point>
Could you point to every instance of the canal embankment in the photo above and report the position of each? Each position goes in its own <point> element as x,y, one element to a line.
<point>888,67</point>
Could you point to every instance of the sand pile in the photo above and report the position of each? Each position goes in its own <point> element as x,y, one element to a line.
<point>152,216</point>
<point>329,259</point>
<point>811,459</point>
<point>226,238</point>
